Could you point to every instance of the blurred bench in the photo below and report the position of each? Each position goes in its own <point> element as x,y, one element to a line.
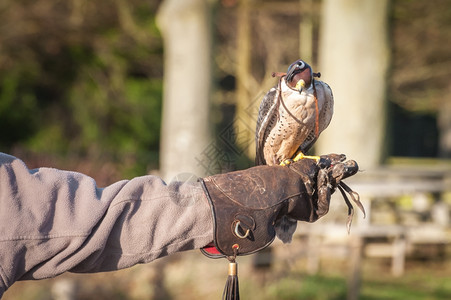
<point>394,226</point>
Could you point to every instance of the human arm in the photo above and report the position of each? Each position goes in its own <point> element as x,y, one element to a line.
<point>53,221</point>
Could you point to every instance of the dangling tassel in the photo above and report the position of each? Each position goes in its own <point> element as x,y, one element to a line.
<point>231,290</point>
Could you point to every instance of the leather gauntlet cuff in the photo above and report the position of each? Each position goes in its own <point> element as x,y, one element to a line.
<point>236,226</point>
<point>246,204</point>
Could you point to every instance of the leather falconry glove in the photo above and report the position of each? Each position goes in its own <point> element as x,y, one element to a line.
<point>247,204</point>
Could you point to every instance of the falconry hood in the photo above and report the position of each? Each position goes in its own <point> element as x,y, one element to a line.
<point>299,76</point>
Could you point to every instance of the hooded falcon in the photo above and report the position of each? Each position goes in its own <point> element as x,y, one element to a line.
<point>291,117</point>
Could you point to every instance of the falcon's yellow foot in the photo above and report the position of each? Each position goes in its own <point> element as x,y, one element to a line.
<point>286,162</point>
<point>301,155</point>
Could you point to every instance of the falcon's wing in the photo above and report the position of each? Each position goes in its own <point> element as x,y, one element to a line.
<point>268,108</point>
<point>326,110</point>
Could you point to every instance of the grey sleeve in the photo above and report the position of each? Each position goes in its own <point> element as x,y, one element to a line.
<point>53,221</point>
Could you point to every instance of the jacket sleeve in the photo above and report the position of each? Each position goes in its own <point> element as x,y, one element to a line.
<point>53,221</point>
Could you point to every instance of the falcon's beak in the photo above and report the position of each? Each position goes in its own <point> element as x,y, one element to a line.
<point>300,85</point>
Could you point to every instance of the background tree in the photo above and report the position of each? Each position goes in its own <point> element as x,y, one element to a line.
<point>185,132</point>
<point>81,79</point>
<point>354,58</point>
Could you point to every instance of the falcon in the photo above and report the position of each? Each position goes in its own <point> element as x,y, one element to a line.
<point>291,117</point>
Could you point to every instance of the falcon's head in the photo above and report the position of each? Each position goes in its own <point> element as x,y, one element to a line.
<point>299,75</point>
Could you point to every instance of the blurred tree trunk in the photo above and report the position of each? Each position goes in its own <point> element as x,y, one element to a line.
<point>353,60</point>
<point>444,125</point>
<point>306,30</point>
<point>243,72</point>
<point>186,30</point>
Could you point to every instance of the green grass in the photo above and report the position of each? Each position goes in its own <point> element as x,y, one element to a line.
<point>308,287</point>
<point>192,276</point>
<point>421,282</point>
<point>331,287</point>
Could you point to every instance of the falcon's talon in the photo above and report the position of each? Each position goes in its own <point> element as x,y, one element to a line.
<point>298,157</point>
<point>286,162</point>
<point>301,155</point>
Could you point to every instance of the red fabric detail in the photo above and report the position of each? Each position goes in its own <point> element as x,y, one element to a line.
<point>211,249</point>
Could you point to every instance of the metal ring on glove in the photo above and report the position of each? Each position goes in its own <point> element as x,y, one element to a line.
<point>237,232</point>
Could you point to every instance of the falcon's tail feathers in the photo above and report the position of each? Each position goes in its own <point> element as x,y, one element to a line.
<point>285,228</point>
